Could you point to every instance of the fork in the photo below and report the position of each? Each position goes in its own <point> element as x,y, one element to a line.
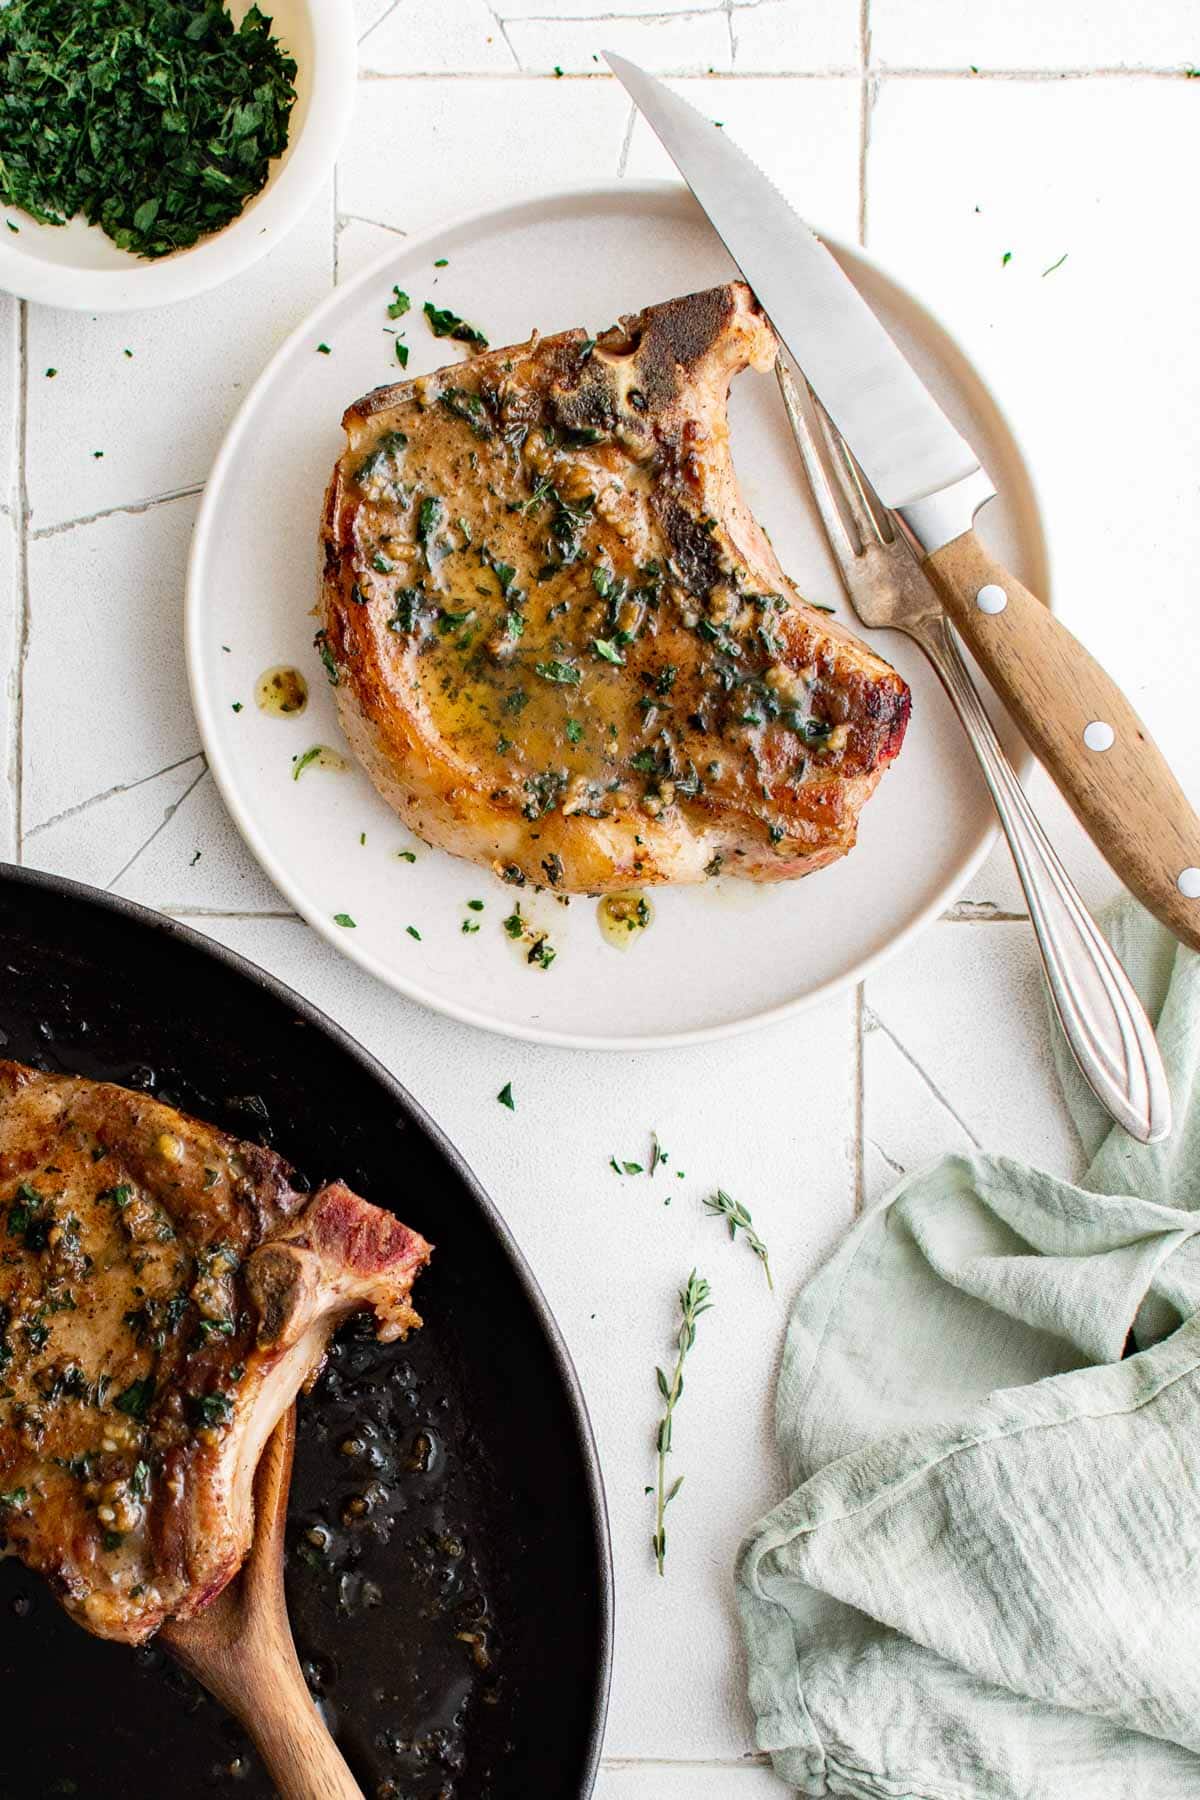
<point>1102,1018</point>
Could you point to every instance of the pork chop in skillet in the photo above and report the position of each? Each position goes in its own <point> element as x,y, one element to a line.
<point>165,1290</point>
<point>561,644</point>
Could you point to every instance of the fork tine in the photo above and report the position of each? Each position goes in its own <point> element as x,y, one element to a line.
<point>840,542</point>
<point>866,509</point>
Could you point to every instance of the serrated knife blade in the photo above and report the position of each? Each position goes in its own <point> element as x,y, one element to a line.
<point>900,435</point>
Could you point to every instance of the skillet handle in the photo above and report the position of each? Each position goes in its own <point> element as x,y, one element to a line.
<point>1080,725</point>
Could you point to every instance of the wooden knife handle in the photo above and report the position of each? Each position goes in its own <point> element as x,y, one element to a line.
<point>1079,724</point>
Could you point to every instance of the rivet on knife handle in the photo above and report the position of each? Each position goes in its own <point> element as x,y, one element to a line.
<point>1080,725</point>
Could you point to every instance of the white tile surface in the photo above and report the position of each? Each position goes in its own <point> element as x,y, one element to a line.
<point>805,131</point>
<point>1061,34</point>
<point>933,1083</point>
<point>106,700</point>
<point>591,9</point>
<point>779,36</point>
<point>95,842</point>
<point>209,349</point>
<point>1087,359</point>
<point>1094,363</point>
<point>552,133</point>
<point>661,1781</point>
<point>457,37</point>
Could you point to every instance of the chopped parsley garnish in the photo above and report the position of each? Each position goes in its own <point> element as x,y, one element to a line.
<point>321,643</point>
<point>324,350</point>
<point>400,305</point>
<point>463,404</point>
<point>156,121</point>
<point>608,650</point>
<point>209,1409</point>
<point>564,673</point>
<point>344,920</point>
<point>574,730</point>
<point>303,762</point>
<point>402,354</point>
<point>413,932</point>
<point>406,855</point>
<point>514,924</point>
<point>404,619</point>
<point>505,1097</point>
<point>444,323</point>
<point>475,905</point>
<point>135,1401</point>
<point>428,519</point>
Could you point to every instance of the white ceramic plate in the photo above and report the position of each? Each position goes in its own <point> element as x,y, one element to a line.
<point>718,957</point>
<point>77,266</point>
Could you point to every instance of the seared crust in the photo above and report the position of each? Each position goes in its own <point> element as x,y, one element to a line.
<point>165,1289</point>
<point>563,646</point>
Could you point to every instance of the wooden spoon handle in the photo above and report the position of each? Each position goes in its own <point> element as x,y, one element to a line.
<point>240,1647</point>
<point>1080,725</point>
<point>300,1756</point>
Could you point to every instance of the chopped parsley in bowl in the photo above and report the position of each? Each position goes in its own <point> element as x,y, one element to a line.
<point>155,119</point>
<point>150,149</point>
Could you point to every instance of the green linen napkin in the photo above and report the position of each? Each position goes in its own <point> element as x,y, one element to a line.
<point>986,1582</point>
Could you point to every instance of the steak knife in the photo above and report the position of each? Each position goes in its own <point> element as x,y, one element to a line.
<point>1072,714</point>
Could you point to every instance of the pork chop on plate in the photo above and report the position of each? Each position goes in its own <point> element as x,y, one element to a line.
<point>165,1291</point>
<point>560,643</point>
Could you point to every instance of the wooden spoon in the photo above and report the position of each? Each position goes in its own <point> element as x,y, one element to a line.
<point>241,1648</point>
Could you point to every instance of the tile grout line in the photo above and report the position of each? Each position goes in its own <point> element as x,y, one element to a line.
<point>866,101</point>
<point>878,1024</point>
<point>335,225</point>
<point>167,817</point>
<point>834,71</point>
<point>1098,74</point>
<point>38,534</point>
<point>21,519</point>
<point>216,912</point>
<point>122,787</point>
<point>626,143</point>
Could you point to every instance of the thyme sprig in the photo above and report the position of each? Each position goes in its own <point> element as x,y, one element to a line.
<point>694,1299</point>
<point>723,1206</point>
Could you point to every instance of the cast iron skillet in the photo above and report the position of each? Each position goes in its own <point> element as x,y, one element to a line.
<point>449,1569</point>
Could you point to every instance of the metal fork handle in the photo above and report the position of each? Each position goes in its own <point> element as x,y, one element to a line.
<point>1102,1018</point>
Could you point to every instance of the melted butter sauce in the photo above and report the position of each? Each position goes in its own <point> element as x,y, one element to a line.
<point>281,691</point>
<point>321,756</point>
<point>623,918</point>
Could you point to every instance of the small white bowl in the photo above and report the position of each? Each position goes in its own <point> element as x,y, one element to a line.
<point>77,266</point>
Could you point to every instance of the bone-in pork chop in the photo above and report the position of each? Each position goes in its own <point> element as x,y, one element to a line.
<point>165,1290</point>
<point>562,646</point>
